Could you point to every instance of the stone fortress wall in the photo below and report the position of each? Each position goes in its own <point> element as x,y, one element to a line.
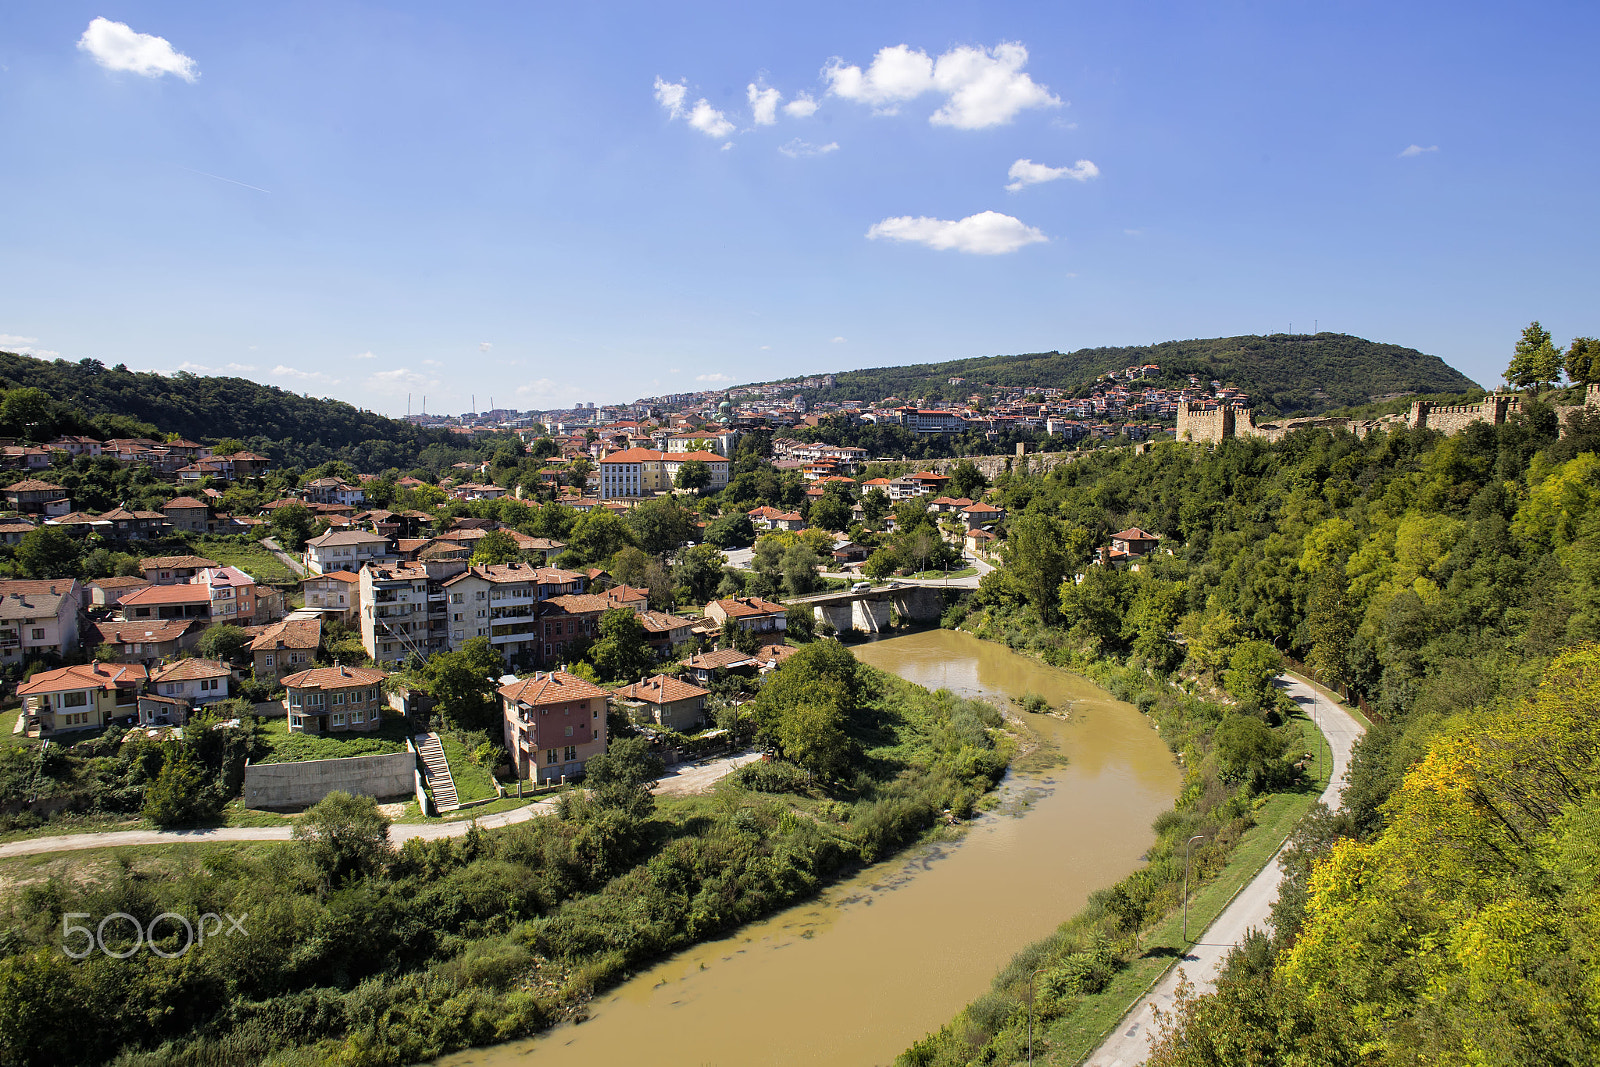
<point>1211,423</point>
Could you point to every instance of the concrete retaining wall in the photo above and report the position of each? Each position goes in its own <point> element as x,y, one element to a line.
<point>294,785</point>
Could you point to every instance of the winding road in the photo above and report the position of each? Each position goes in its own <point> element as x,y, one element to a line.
<point>1131,1042</point>
<point>680,781</point>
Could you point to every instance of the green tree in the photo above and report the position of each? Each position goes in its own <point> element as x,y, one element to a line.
<point>621,652</point>
<point>661,526</point>
<point>462,682</point>
<point>699,570</point>
<point>183,793</point>
<point>222,641</point>
<point>1247,750</point>
<point>874,506</point>
<point>1536,361</point>
<point>1583,360</point>
<point>621,777</point>
<point>28,413</point>
<point>291,525</point>
<point>49,552</point>
<point>1251,671</point>
<point>1040,553</point>
<point>596,536</point>
<point>496,546</point>
<point>800,567</point>
<point>801,621</point>
<point>344,837</point>
<point>830,513</point>
<point>881,564</point>
<point>694,475</point>
<point>731,531</point>
<point>966,480</point>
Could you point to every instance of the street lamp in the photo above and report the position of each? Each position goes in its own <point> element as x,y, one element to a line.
<point>1186,844</point>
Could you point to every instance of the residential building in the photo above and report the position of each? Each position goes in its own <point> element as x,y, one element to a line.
<point>285,648</point>
<point>404,608</point>
<point>141,642</point>
<point>183,686</point>
<point>1133,542</point>
<point>174,570</point>
<point>334,491</point>
<point>767,517</point>
<point>632,472</point>
<point>667,701</point>
<point>554,723</point>
<point>703,668</point>
<point>167,602</point>
<point>232,592</point>
<point>347,550</point>
<point>503,603</point>
<point>325,699</point>
<point>335,593</point>
<point>106,592</point>
<point>39,617</point>
<point>188,514</point>
<point>563,621</point>
<point>81,697</point>
<point>12,531</point>
<point>136,525</point>
<point>672,463</point>
<point>664,632</point>
<point>749,613</point>
<point>981,514</point>
<point>34,497</point>
<point>721,441</point>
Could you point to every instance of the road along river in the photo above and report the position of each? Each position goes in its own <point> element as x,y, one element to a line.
<point>879,960</point>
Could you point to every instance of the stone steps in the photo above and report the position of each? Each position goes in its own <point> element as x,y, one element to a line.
<point>437,768</point>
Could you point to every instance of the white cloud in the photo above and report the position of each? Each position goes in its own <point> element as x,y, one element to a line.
<point>281,371</point>
<point>801,107</point>
<point>1417,150</point>
<point>431,363</point>
<point>766,348</point>
<point>117,47</point>
<point>364,355</point>
<point>837,341</point>
<point>708,120</point>
<point>670,95</point>
<point>399,378</point>
<point>484,346</point>
<point>712,378</point>
<point>194,368</point>
<point>982,87</point>
<point>798,149</point>
<point>987,233</point>
<point>240,368</point>
<point>763,103</point>
<point>1025,172</point>
<point>23,346</point>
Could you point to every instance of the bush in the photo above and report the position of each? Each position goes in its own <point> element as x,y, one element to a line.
<point>773,776</point>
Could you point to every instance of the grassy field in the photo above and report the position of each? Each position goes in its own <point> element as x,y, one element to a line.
<point>285,747</point>
<point>472,781</point>
<point>1075,1036</point>
<point>8,722</point>
<point>965,572</point>
<point>247,555</point>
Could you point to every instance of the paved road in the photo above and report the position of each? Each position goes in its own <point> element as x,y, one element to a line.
<point>682,780</point>
<point>1131,1042</point>
<point>288,561</point>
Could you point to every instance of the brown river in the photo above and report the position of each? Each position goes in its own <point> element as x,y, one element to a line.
<point>877,961</point>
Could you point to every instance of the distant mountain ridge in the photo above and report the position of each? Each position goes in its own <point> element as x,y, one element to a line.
<point>1283,373</point>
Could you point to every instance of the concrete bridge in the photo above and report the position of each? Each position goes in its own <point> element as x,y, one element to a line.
<point>867,611</point>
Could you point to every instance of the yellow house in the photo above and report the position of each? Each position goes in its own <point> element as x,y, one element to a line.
<point>82,697</point>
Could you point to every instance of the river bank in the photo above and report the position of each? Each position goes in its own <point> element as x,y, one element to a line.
<point>871,963</point>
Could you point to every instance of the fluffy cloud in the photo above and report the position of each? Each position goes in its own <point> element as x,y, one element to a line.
<point>712,378</point>
<point>398,379</point>
<point>673,96</point>
<point>116,47</point>
<point>364,355</point>
<point>797,149</point>
<point>23,346</point>
<point>1026,172</point>
<point>281,371</point>
<point>838,341</point>
<point>484,346</point>
<point>982,87</point>
<point>763,103</point>
<point>1417,150</point>
<point>801,107</point>
<point>987,233</point>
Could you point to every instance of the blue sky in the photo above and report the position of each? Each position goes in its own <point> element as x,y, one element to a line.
<point>530,202</point>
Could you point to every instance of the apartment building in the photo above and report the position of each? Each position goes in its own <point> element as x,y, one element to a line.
<point>324,699</point>
<point>554,723</point>
<point>404,609</point>
<point>673,462</point>
<point>347,550</point>
<point>502,602</point>
<point>39,617</point>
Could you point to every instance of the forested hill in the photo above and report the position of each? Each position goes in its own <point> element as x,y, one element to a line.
<point>286,426</point>
<point>1283,373</point>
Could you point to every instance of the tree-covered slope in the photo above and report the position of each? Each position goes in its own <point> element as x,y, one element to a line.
<point>1283,373</point>
<point>284,425</point>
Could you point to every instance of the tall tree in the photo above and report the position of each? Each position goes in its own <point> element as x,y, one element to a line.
<point>1583,360</point>
<point>496,546</point>
<point>1536,361</point>
<point>621,652</point>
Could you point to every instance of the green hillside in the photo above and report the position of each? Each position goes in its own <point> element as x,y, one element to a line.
<point>1283,373</point>
<point>286,426</point>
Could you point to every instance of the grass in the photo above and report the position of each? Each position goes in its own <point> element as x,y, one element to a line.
<point>8,722</point>
<point>285,747</point>
<point>965,572</point>
<point>494,807</point>
<point>472,781</point>
<point>249,556</point>
<point>1075,1036</point>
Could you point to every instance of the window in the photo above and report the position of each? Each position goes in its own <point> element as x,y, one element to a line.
<point>478,595</point>
<point>38,634</point>
<point>455,598</point>
<point>338,698</point>
<point>318,699</point>
<point>338,718</point>
<point>372,695</point>
<point>550,756</point>
<point>74,700</point>
<point>210,683</point>
<point>572,753</point>
<point>355,717</point>
<point>268,659</point>
<point>569,731</point>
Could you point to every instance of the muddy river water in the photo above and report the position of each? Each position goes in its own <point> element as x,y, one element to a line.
<point>874,963</point>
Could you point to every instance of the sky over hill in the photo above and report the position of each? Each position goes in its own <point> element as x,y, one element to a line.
<point>551,203</point>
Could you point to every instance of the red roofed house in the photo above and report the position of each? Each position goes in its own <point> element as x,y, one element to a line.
<point>703,666</point>
<point>83,697</point>
<point>286,647</point>
<point>334,698</point>
<point>33,497</point>
<point>38,616</point>
<point>143,642</point>
<point>750,613</point>
<point>178,688</point>
<point>335,593</point>
<point>667,701</point>
<point>174,570</point>
<point>1134,541</point>
<point>981,514</point>
<point>554,723</point>
<point>187,513</point>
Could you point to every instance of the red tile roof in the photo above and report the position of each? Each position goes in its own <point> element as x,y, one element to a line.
<point>556,687</point>
<point>335,678</point>
<point>662,689</point>
<point>185,670</point>
<point>634,455</point>
<point>744,607</point>
<point>84,676</point>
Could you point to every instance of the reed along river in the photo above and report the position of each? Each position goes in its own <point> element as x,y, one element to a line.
<point>875,962</point>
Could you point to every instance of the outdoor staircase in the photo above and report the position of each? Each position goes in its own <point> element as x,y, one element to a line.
<point>437,767</point>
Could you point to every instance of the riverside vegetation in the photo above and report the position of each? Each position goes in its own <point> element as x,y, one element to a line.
<point>358,953</point>
<point>1448,914</point>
